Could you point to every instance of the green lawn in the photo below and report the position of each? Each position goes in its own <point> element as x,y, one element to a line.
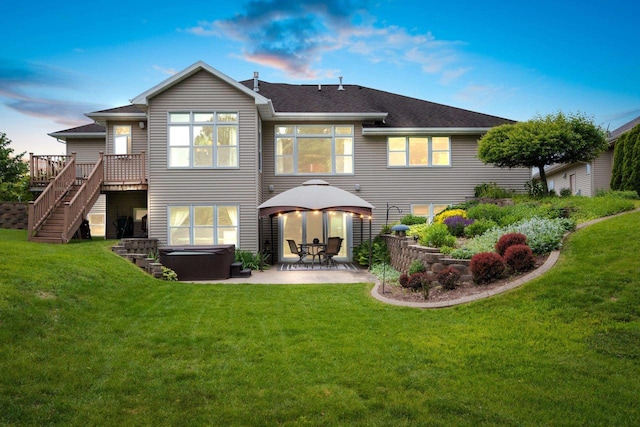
<point>87,339</point>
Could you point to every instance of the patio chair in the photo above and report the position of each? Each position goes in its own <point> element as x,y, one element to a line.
<point>295,249</point>
<point>333,248</point>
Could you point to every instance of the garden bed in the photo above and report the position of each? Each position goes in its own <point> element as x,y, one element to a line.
<point>465,289</point>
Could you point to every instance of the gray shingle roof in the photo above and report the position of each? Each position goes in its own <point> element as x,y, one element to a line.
<point>123,109</point>
<point>403,111</point>
<point>90,128</point>
<point>615,134</point>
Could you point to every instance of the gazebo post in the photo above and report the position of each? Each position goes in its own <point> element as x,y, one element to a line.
<point>370,245</point>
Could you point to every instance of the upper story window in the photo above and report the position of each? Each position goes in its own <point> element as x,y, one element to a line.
<point>314,149</point>
<point>419,151</point>
<point>122,140</point>
<point>203,140</point>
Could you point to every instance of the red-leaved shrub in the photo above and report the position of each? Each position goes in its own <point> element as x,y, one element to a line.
<point>403,279</point>
<point>448,278</point>
<point>418,281</point>
<point>519,258</point>
<point>510,239</point>
<point>486,267</point>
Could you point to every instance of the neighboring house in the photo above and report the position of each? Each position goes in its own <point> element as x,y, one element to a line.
<point>199,152</point>
<point>587,178</point>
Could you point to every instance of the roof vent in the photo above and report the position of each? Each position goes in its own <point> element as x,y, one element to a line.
<point>255,81</point>
<point>319,87</point>
<point>340,87</point>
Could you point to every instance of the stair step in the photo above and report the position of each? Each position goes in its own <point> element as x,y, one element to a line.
<point>38,239</point>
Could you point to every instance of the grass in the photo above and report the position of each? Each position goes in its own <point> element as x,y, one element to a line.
<point>87,339</point>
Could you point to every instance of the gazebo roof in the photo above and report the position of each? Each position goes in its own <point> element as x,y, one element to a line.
<point>315,195</point>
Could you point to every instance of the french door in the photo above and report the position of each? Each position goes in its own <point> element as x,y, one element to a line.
<point>304,227</point>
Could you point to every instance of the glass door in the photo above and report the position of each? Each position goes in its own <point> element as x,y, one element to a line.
<point>304,227</point>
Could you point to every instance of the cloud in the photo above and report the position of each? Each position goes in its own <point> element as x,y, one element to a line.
<point>169,71</point>
<point>293,36</point>
<point>18,81</point>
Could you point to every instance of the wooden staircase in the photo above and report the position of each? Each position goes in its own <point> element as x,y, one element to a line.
<point>52,229</point>
<point>56,215</point>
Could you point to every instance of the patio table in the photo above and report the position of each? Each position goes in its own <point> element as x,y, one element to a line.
<point>313,249</point>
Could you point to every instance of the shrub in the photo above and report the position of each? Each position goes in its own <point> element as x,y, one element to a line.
<point>486,211</point>
<point>510,239</point>
<point>379,255</point>
<point>535,188</point>
<point>479,227</point>
<point>437,235</point>
<point>565,192</point>
<point>461,253</point>
<point>419,281</point>
<point>486,267</point>
<point>386,272</point>
<point>416,267</point>
<point>249,260</point>
<point>403,280</point>
<point>491,190</point>
<point>169,275</point>
<point>519,258</point>
<point>439,219</point>
<point>456,224</point>
<point>411,219</point>
<point>448,278</point>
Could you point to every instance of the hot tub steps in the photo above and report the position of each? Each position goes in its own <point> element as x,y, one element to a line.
<point>238,271</point>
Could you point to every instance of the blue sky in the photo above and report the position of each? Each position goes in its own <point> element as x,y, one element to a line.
<point>59,60</point>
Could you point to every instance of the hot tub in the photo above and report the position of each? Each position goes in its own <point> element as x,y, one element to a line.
<point>198,262</point>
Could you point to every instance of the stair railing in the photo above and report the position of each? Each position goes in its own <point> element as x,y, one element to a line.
<point>77,208</point>
<point>40,209</point>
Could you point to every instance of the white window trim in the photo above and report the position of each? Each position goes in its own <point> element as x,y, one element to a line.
<point>334,156</point>
<point>192,227</point>
<point>214,146</point>
<point>430,152</point>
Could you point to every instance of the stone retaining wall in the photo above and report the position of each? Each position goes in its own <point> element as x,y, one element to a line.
<point>138,251</point>
<point>14,215</point>
<point>403,251</point>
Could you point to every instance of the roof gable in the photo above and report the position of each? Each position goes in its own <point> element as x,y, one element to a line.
<point>143,98</point>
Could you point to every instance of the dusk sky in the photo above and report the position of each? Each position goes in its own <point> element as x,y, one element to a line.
<point>515,59</point>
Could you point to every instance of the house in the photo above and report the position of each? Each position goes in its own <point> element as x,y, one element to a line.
<point>587,178</point>
<point>197,154</point>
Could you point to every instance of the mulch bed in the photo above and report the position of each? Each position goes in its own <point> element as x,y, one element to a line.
<point>437,294</point>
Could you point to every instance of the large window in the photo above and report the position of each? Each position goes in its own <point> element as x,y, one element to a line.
<point>419,151</point>
<point>314,149</point>
<point>203,225</point>
<point>203,140</point>
<point>428,210</point>
<point>122,140</point>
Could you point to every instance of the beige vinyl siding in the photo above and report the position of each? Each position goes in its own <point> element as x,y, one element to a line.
<point>87,149</point>
<point>223,187</point>
<point>401,187</point>
<point>562,179</point>
<point>602,167</point>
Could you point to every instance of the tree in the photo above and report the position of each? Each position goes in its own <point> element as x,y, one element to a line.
<point>13,173</point>
<point>543,141</point>
<point>626,161</point>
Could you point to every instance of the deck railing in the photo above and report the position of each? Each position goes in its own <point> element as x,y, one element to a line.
<point>125,168</point>
<point>46,167</point>
<point>76,209</point>
<point>118,168</point>
<point>51,196</point>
